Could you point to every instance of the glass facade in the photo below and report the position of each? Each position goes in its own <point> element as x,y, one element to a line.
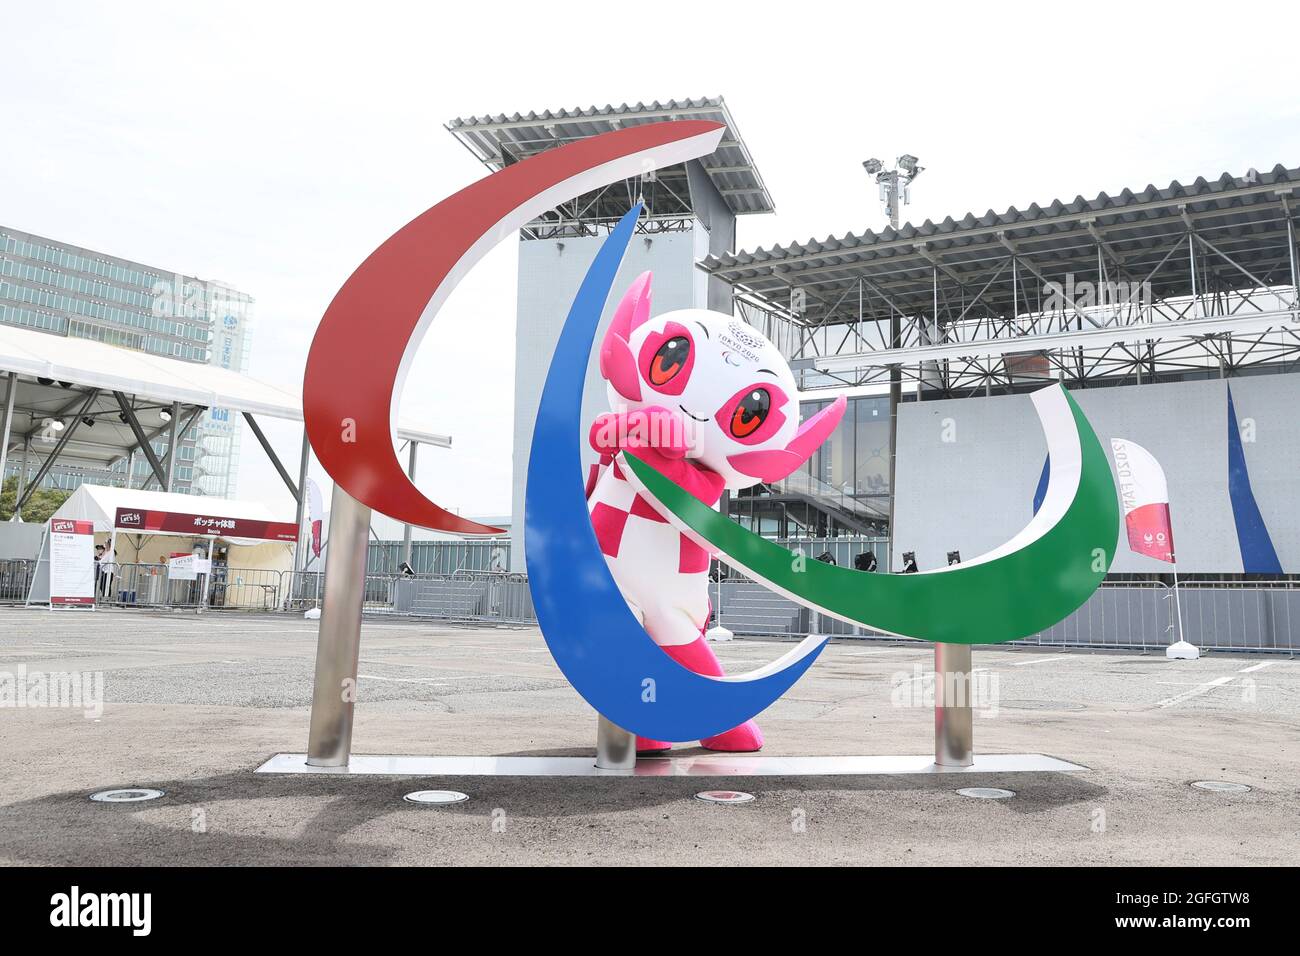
<point>843,489</point>
<point>65,290</point>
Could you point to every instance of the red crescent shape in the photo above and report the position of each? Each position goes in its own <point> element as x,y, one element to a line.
<point>371,330</point>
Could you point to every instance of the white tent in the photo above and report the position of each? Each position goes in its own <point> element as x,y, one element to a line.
<point>158,378</point>
<point>174,524</point>
<point>99,504</point>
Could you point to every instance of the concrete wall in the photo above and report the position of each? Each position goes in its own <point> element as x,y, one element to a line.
<point>968,468</point>
<point>550,272</point>
<point>20,539</point>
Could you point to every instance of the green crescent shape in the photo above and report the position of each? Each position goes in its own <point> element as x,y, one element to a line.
<point>1031,582</point>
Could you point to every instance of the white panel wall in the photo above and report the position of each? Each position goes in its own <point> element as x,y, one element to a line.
<point>550,272</point>
<point>967,468</point>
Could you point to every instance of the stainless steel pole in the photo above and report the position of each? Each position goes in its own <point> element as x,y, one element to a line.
<point>406,529</point>
<point>7,429</point>
<point>953,713</point>
<point>339,643</point>
<point>615,747</point>
<point>172,451</point>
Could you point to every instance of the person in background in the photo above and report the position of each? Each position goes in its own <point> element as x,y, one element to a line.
<point>102,561</point>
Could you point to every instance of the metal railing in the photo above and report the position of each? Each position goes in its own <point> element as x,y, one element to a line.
<point>1131,615</point>
<point>1215,615</point>
<point>15,579</point>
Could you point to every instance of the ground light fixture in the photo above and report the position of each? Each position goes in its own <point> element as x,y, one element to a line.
<point>986,793</point>
<point>127,795</point>
<point>436,797</point>
<point>724,796</point>
<point>1220,786</point>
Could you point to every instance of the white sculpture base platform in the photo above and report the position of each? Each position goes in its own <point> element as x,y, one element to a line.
<point>710,765</point>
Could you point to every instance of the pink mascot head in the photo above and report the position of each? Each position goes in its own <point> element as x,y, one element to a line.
<point>731,387</point>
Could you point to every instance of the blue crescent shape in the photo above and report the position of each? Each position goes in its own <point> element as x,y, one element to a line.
<point>597,643</point>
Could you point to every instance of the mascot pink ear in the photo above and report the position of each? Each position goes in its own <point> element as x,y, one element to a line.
<point>617,363</point>
<point>776,464</point>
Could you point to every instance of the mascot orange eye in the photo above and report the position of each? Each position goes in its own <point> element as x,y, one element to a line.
<point>751,411</point>
<point>669,360</point>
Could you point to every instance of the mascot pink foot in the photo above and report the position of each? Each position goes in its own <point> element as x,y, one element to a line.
<point>699,658</point>
<point>713,405</point>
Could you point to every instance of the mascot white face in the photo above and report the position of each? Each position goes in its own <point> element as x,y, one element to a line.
<point>732,387</point>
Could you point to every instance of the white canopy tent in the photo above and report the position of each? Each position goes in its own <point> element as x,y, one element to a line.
<point>100,503</point>
<point>170,528</point>
<point>92,405</point>
<point>110,368</point>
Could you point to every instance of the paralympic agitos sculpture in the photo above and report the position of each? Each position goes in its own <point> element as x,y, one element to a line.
<point>373,326</point>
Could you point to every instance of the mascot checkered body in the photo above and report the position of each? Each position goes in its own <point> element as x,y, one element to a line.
<point>713,405</point>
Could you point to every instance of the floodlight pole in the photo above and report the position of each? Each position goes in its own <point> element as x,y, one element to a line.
<point>338,645</point>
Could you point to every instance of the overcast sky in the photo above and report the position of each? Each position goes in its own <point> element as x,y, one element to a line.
<point>274,145</point>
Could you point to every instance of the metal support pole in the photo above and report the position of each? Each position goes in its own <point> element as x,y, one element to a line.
<point>173,433</point>
<point>953,714</point>
<point>1295,274</point>
<point>189,426</point>
<point>141,439</point>
<point>339,642</point>
<point>615,747</point>
<point>68,431</point>
<point>406,528</point>
<point>895,396</point>
<point>895,382</point>
<point>299,552</point>
<point>283,472</point>
<point>22,477</point>
<point>7,428</point>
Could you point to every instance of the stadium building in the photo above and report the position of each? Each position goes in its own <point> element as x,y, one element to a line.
<point>1171,314</point>
<point>66,290</point>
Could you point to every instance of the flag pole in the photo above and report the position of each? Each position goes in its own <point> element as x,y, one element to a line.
<point>1178,605</point>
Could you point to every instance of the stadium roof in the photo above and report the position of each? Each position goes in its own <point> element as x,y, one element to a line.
<point>501,140</point>
<point>1244,219</point>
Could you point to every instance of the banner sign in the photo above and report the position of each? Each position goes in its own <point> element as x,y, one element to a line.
<point>72,562</point>
<point>1144,494</point>
<point>173,522</point>
<point>181,567</point>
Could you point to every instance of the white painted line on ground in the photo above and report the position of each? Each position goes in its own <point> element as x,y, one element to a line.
<point>1198,689</point>
<point>1256,667</point>
<point>432,681</point>
<point>1040,660</point>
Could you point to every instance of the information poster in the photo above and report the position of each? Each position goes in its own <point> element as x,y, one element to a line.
<point>72,562</point>
<point>182,566</point>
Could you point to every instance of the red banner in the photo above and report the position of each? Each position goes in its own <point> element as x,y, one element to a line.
<point>1149,531</point>
<point>173,522</point>
<point>71,526</point>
